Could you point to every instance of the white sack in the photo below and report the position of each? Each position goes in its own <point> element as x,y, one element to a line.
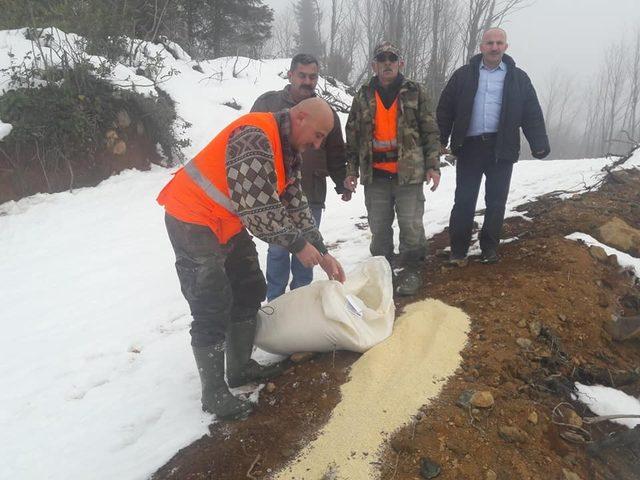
<point>328,315</point>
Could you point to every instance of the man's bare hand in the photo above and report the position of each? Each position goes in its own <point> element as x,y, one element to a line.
<point>350,183</point>
<point>346,195</point>
<point>332,268</point>
<point>433,175</point>
<point>309,256</point>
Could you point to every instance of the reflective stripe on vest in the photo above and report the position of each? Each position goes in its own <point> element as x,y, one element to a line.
<point>209,188</point>
<point>199,192</point>
<point>385,145</point>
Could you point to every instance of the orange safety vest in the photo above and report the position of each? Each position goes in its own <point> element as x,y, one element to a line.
<point>199,192</point>
<point>385,133</point>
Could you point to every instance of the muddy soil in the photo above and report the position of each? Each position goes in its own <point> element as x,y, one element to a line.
<point>538,319</point>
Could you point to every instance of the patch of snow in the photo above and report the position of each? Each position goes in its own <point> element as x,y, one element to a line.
<point>632,162</point>
<point>609,401</point>
<point>58,47</point>
<point>624,259</point>
<point>5,129</point>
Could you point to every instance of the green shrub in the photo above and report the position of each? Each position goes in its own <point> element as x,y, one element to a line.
<point>62,124</point>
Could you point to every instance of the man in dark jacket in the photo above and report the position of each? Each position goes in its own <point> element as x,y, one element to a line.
<point>480,113</point>
<point>329,159</point>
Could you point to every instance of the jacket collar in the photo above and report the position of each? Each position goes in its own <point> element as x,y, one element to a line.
<point>286,96</point>
<point>476,59</point>
<point>374,83</point>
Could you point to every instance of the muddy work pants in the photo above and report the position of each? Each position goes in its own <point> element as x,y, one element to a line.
<point>385,199</point>
<point>221,283</point>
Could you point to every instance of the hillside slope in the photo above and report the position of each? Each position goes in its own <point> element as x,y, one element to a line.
<point>540,322</point>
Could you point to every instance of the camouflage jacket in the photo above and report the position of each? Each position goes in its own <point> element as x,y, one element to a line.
<point>417,133</point>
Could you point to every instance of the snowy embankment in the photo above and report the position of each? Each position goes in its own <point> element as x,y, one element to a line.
<point>97,379</point>
<point>603,400</point>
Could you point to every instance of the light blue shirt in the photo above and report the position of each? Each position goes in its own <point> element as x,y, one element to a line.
<point>487,103</point>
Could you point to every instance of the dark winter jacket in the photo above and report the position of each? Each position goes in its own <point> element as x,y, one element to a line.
<point>329,159</point>
<point>417,133</point>
<point>520,109</point>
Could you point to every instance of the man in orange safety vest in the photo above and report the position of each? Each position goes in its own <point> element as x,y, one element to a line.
<point>246,180</point>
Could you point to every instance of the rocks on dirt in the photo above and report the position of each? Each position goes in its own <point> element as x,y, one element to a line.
<point>513,434</point>
<point>270,387</point>
<point>429,468</point>
<point>535,327</point>
<point>603,301</point>
<point>613,260</point>
<point>120,148</point>
<point>569,475</point>
<point>598,253</point>
<point>524,343</point>
<point>482,399</point>
<point>457,446</point>
<point>490,475</point>
<point>301,357</point>
<point>573,437</point>
<point>574,419</point>
<point>619,234</point>
<point>464,400</point>
<point>533,417</point>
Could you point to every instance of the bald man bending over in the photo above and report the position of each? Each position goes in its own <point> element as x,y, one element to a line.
<point>245,181</point>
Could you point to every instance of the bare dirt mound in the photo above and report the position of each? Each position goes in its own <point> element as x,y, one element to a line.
<point>538,319</point>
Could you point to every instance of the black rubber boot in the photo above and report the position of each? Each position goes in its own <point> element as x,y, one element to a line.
<point>409,283</point>
<point>241,369</point>
<point>216,397</point>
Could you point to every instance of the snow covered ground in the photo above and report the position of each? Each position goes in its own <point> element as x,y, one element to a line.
<point>96,366</point>
<point>97,379</point>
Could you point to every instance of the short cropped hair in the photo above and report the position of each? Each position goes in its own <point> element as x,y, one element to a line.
<point>304,59</point>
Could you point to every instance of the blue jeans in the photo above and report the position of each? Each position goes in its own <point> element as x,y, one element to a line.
<point>280,262</point>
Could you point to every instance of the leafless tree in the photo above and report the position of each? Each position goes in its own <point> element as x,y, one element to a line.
<point>561,109</point>
<point>343,40</point>
<point>370,17</point>
<point>282,43</point>
<point>633,97</point>
<point>614,72</point>
<point>483,14</point>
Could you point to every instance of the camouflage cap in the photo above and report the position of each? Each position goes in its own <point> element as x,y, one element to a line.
<point>385,46</point>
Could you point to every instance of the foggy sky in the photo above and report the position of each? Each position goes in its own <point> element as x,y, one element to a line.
<point>570,35</point>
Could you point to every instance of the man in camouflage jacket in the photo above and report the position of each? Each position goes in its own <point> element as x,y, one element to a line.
<point>393,171</point>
